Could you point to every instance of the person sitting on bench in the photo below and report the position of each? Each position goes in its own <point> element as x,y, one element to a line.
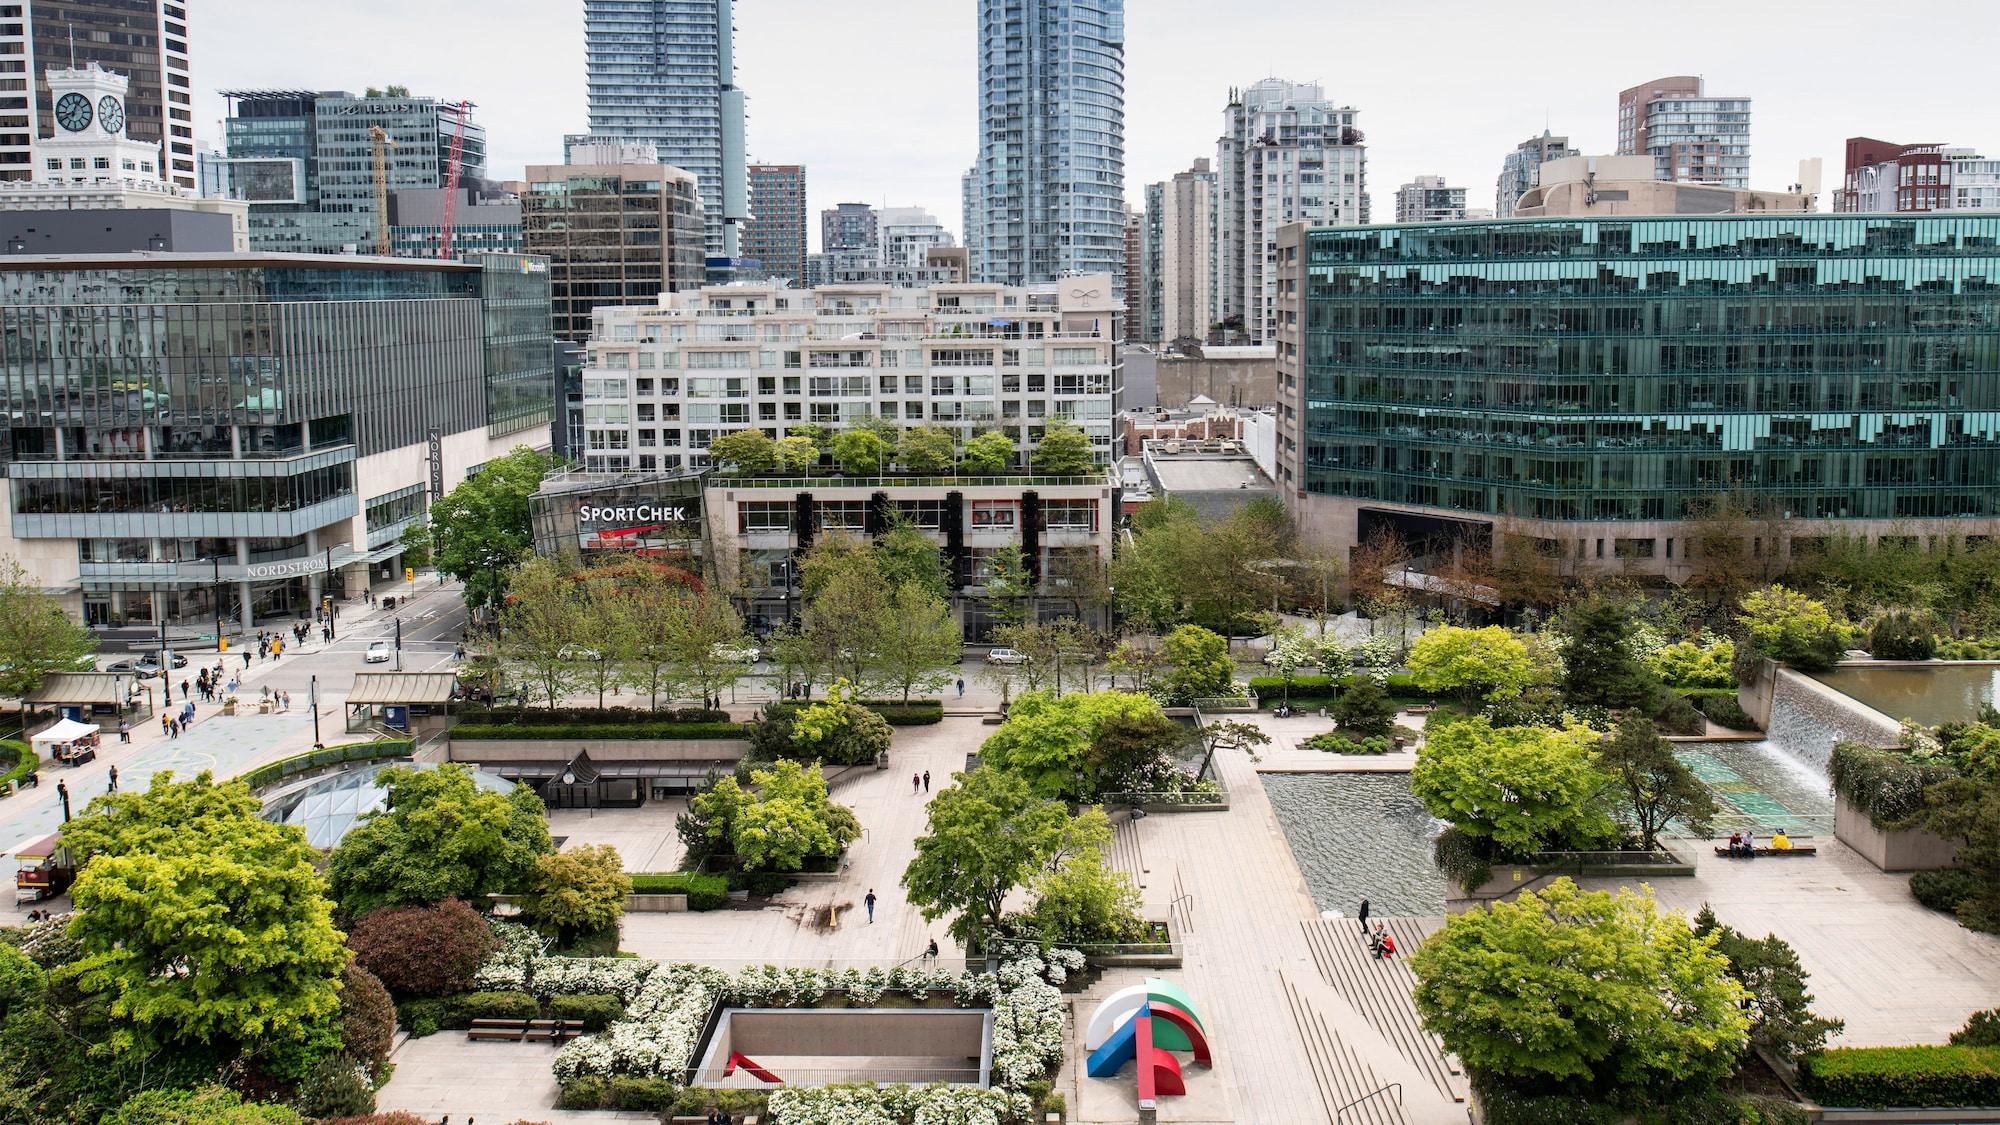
<point>1781,842</point>
<point>1736,843</point>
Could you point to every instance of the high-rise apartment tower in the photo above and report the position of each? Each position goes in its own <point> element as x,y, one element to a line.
<point>144,40</point>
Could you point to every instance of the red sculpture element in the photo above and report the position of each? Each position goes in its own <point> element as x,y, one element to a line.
<point>737,1059</point>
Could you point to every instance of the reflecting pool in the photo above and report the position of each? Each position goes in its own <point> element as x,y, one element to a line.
<point>1356,834</point>
<point>1928,694</point>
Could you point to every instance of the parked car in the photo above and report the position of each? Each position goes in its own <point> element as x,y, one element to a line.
<point>1006,656</point>
<point>737,654</point>
<point>379,652</point>
<point>143,666</point>
<point>578,654</point>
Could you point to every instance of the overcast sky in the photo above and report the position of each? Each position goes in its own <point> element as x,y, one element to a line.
<point>878,98</point>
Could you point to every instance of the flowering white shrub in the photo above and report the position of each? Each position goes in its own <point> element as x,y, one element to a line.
<point>623,977</point>
<point>1027,1030</point>
<point>891,1105</point>
<point>502,976</point>
<point>1062,963</point>
<point>657,1037</point>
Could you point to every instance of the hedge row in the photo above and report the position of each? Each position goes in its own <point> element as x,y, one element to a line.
<point>915,713</point>
<point>589,716</point>
<point>331,756</point>
<point>1888,785</point>
<point>656,1095</point>
<point>25,760</point>
<point>1401,686</point>
<point>490,732</point>
<point>1895,1077</point>
<point>1334,742</point>
<point>596,1011</point>
<point>704,892</point>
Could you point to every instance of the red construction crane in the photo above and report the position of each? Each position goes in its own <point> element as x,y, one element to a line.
<point>454,164</point>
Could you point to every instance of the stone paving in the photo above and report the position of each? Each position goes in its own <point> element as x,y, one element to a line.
<point>447,1074</point>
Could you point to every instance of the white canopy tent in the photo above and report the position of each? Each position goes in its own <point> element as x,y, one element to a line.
<point>67,730</point>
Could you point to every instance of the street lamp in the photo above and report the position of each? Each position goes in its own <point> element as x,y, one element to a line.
<point>399,644</point>
<point>312,692</point>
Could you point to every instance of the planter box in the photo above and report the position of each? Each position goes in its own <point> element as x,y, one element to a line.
<point>1511,878</point>
<point>1912,849</point>
<point>655,904</point>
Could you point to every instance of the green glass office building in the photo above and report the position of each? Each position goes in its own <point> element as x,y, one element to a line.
<point>1594,382</point>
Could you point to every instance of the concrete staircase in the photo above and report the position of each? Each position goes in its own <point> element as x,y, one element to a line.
<point>1381,991</point>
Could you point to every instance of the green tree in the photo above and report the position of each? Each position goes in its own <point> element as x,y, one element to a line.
<point>648,658</point>
<point>542,625</point>
<point>1064,451</point>
<point>840,632</point>
<point>920,642</point>
<point>1180,569</point>
<point>1600,669</point>
<point>439,836</point>
<point>36,636</point>
<point>1491,663</point>
<point>835,730</point>
<point>1781,1017</point>
<point>746,451</point>
<point>1522,788</point>
<point>607,618</point>
<point>1788,626</point>
<point>1903,635</point>
<point>702,634</point>
<point>1966,807</point>
<point>1198,665</point>
<point>580,891</point>
<point>202,921</point>
<point>1050,740</point>
<point>860,453</point>
<point>905,554</point>
<point>789,819</point>
<point>1364,709</point>
<point>1009,587</point>
<point>203,1105</point>
<point>1584,993</point>
<point>989,834</point>
<point>1657,788</point>
<point>1084,902</point>
<point>796,454</point>
<point>989,452</point>
<point>481,528</point>
<point>926,449</point>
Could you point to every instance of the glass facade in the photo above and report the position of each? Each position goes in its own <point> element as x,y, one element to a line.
<point>1046,197</point>
<point>1843,367</point>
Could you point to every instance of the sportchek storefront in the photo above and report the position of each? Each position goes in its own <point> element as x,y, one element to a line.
<point>594,513</point>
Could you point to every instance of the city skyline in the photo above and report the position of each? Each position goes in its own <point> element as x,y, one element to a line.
<point>1459,122</point>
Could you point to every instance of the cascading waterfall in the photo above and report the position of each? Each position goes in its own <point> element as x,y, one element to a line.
<point>1807,718</point>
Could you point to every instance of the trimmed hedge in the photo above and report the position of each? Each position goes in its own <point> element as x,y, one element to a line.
<point>25,760</point>
<point>1944,889</point>
<point>1333,742</point>
<point>1723,710</point>
<point>490,732</point>
<point>656,1095</point>
<point>1887,785</point>
<point>597,1010</point>
<point>915,713</point>
<point>704,892</point>
<point>428,1017</point>
<point>1316,691</point>
<point>331,756</point>
<point>1903,1077</point>
<point>588,716</point>
<point>499,1006</point>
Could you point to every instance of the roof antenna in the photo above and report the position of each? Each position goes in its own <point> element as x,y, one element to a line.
<point>72,46</point>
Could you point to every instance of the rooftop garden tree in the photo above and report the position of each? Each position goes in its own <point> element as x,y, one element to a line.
<point>795,453</point>
<point>1523,789</point>
<point>1070,747</point>
<point>860,452</point>
<point>1491,663</point>
<point>1599,667</point>
<point>1788,626</point>
<point>926,449</point>
<point>481,528</point>
<point>1064,451</point>
<point>1364,710</point>
<point>202,922</point>
<point>745,451</point>
<point>577,892</point>
<point>988,834</point>
<point>989,452</point>
<point>1083,902</point>
<point>836,730</point>
<point>1565,991</point>
<point>787,820</point>
<point>1198,665</point>
<point>1657,788</point>
<point>1782,1020</point>
<point>439,836</point>
<point>423,951</point>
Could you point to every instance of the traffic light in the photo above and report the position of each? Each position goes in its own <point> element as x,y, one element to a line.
<point>409,574</point>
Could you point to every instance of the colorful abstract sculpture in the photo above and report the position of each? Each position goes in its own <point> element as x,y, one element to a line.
<point>1144,1024</point>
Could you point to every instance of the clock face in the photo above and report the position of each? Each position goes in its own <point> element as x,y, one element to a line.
<point>110,114</point>
<point>73,112</point>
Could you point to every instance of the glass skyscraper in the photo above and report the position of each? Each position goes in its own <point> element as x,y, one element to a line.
<point>1579,380</point>
<point>663,72</point>
<point>1046,195</point>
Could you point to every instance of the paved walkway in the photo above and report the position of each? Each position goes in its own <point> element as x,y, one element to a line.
<point>1898,972</point>
<point>497,1082</point>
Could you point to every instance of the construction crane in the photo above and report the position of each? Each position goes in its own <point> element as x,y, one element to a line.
<point>453,166</point>
<point>382,144</point>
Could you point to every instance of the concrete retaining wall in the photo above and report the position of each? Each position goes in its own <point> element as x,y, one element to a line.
<point>604,751</point>
<point>1907,850</point>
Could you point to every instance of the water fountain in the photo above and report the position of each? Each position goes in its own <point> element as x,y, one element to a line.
<point>1356,834</point>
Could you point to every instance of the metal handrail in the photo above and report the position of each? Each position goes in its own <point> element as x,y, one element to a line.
<point>1396,1086</point>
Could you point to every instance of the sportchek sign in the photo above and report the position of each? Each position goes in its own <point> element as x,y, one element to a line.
<point>632,513</point>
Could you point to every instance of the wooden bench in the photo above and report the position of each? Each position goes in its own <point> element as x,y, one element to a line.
<point>535,1031</point>
<point>1420,708</point>
<point>1795,849</point>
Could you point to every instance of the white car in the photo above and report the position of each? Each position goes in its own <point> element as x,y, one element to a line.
<point>736,654</point>
<point>1006,656</point>
<point>379,652</point>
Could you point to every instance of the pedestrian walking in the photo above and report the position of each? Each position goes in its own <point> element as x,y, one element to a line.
<point>961,687</point>
<point>927,781</point>
<point>124,732</point>
<point>173,728</point>
<point>916,782</point>
<point>114,780</point>
<point>164,720</point>
<point>1364,914</point>
<point>246,660</point>
<point>870,900</point>
<point>932,949</point>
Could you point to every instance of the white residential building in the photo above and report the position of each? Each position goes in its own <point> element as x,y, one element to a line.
<point>1187,261</point>
<point>1693,137</point>
<point>661,383</point>
<point>1428,199</point>
<point>1286,155</point>
<point>905,235</point>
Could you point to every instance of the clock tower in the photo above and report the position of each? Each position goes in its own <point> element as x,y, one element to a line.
<point>89,144</point>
